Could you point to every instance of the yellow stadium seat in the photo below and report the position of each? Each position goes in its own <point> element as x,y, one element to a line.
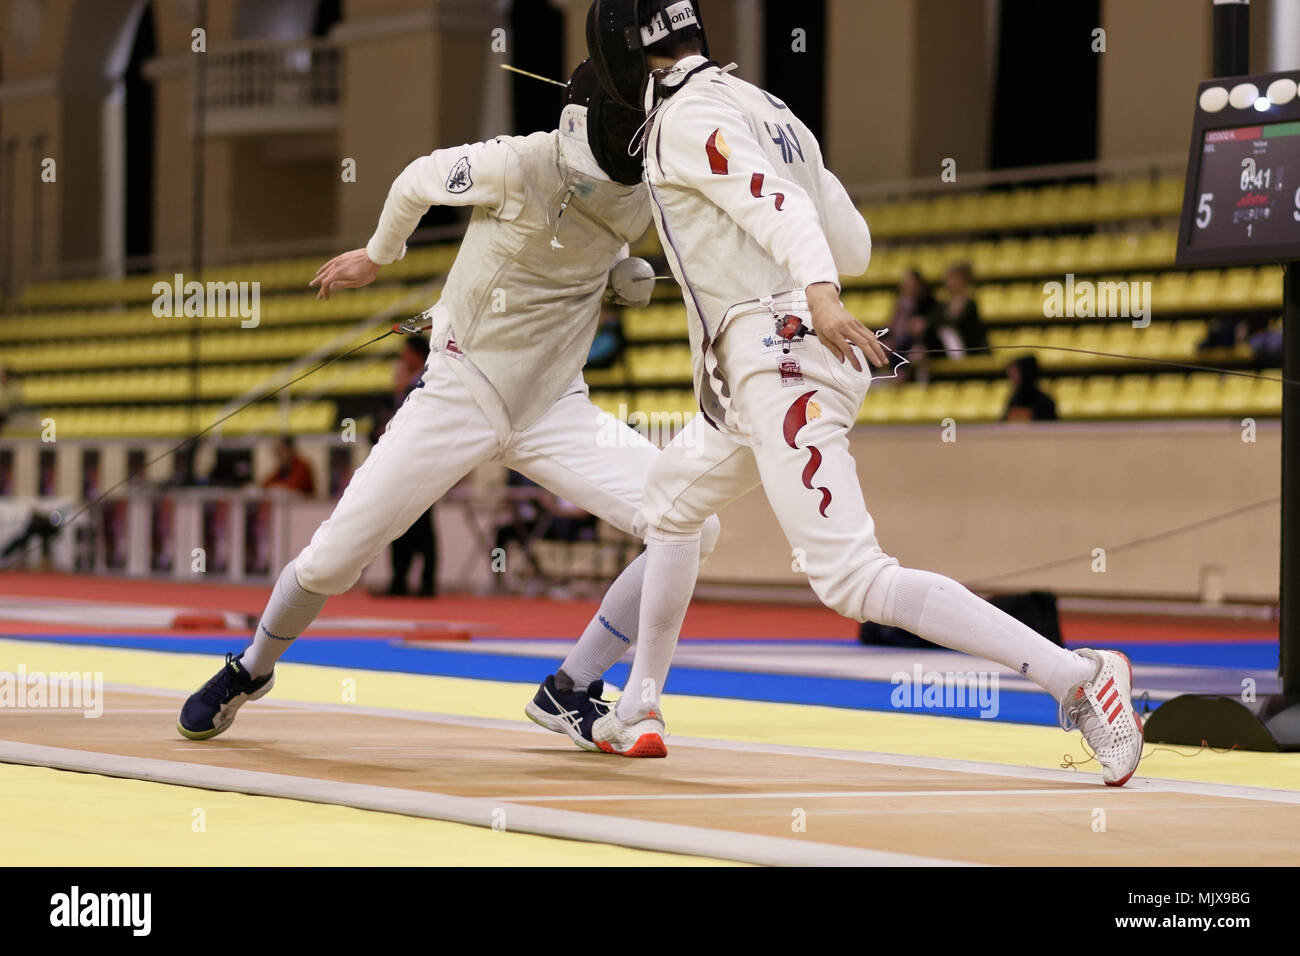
<point>1068,393</point>
<point>938,401</point>
<point>1130,397</point>
<point>1268,396</point>
<point>1077,204</point>
<point>1236,395</point>
<point>1165,396</point>
<point>1098,394</point>
<point>1201,396</point>
<point>1267,291</point>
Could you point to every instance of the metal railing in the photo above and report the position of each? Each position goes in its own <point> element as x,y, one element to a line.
<point>273,75</point>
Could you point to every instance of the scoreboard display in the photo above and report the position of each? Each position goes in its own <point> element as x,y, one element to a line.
<point>1242,199</point>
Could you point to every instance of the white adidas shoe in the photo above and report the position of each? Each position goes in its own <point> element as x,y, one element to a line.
<point>642,737</point>
<point>1102,708</point>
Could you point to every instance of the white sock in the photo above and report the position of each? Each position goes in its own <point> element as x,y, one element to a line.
<point>611,632</point>
<point>288,612</point>
<point>672,565</point>
<point>941,610</point>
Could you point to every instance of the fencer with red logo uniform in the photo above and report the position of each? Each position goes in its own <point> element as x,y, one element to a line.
<point>757,232</point>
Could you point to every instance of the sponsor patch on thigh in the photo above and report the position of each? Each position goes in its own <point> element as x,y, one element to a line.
<point>791,373</point>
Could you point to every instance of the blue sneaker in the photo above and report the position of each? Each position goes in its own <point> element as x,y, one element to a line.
<point>570,713</point>
<point>211,708</point>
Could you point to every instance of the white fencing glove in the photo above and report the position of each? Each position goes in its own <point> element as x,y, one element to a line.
<point>632,282</point>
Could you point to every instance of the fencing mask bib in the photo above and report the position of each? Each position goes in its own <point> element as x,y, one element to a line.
<point>618,33</point>
<point>611,127</point>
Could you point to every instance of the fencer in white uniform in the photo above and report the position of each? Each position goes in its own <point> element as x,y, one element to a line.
<point>757,232</point>
<point>553,216</point>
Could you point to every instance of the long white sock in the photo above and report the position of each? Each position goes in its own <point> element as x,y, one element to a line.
<point>941,610</point>
<point>611,632</point>
<point>672,565</point>
<point>288,612</point>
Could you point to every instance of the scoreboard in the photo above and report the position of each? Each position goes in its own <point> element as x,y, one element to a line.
<point>1242,199</point>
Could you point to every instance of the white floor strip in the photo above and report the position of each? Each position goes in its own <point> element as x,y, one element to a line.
<point>522,725</point>
<point>475,811</point>
<point>797,795</point>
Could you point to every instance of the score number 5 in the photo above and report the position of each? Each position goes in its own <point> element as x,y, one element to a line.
<point>1203,210</point>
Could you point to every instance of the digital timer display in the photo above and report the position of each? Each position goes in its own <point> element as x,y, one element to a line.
<point>1241,195</point>
<point>1249,188</point>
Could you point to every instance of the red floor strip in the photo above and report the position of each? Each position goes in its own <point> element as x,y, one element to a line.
<point>509,616</point>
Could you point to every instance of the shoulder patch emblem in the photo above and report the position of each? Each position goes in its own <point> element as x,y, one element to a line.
<point>460,180</point>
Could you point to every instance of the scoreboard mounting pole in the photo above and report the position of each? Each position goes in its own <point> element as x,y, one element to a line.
<point>1232,58</point>
<point>1231,37</point>
<point>1289,619</point>
<point>1242,206</point>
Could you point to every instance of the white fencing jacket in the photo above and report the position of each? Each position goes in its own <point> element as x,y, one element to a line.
<point>523,297</point>
<point>745,208</point>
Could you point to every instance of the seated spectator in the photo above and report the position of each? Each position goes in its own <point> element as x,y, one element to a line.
<point>912,313</point>
<point>1028,402</point>
<point>1265,340</point>
<point>421,538</point>
<point>607,346</point>
<point>1219,334</point>
<point>409,373</point>
<point>291,470</point>
<point>959,327</point>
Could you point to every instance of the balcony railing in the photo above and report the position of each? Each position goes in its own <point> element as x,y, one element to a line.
<point>262,87</point>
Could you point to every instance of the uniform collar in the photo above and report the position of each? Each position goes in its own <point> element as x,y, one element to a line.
<point>669,81</point>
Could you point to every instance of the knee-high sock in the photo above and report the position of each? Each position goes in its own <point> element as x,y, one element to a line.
<point>615,627</point>
<point>941,610</point>
<point>290,609</point>
<point>610,633</point>
<point>672,565</point>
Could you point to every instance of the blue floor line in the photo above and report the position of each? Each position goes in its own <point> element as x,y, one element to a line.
<point>1014,706</point>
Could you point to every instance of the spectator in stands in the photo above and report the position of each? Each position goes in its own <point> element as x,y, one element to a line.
<point>291,470</point>
<point>11,395</point>
<point>959,327</point>
<point>1220,333</point>
<point>1028,402</point>
<point>952,330</point>
<point>607,346</point>
<point>184,471</point>
<point>1266,343</point>
<point>421,537</point>
<point>1258,330</point>
<point>912,313</point>
<point>409,374</point>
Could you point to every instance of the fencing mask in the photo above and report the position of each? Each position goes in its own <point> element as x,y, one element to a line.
<point>610,126</point>
<point>620,31</point>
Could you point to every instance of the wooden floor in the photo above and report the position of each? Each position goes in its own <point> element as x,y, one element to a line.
<point>727,800</point>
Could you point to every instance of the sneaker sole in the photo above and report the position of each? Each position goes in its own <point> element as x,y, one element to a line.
<point>209,734</point>
<point>647,745</point>
<point>554,724</point>
<point>1137,720</point>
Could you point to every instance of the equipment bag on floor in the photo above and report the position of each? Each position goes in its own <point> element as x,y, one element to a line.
<point>1035,609</point>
